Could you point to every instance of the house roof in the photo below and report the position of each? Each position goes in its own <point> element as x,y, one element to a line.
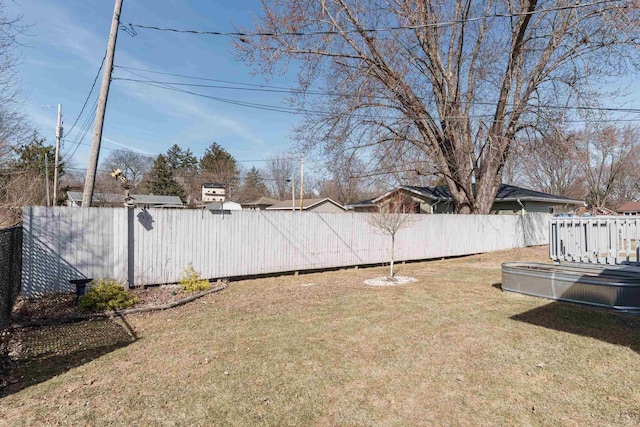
<point>506,193</point>
<point>76,196</point>
<point>262,201</point>
<point>212,185</point>
<point>306,204</point>
<point>361,203</point>
<point>629,207</point>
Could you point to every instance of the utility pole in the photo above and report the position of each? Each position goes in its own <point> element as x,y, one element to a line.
<point>57,160</point>
<point>46,177</point>
<point>90,179</point>
<point>301,181</point>
<point>293,192</point>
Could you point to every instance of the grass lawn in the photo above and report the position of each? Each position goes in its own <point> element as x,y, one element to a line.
<point>324,349</point>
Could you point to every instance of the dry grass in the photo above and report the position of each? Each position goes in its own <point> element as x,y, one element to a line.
<point>324,349</point>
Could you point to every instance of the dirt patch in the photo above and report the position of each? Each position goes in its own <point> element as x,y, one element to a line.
<point>63,306</point>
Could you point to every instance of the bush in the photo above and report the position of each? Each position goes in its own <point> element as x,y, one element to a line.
<point>106,294</point>
<point>191,281</point>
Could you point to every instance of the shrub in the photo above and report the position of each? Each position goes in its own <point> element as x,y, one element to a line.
<point>106,294</point>
<point>191,281</point>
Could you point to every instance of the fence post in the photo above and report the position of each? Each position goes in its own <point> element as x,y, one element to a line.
<point>552,239</point>
<point>130,248</point>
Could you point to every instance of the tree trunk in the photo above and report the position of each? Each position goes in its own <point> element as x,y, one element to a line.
<point>393,244</point>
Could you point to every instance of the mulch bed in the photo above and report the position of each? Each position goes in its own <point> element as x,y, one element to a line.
<point>62,306</point>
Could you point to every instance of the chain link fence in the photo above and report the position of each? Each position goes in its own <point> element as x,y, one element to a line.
<point>10,270</point>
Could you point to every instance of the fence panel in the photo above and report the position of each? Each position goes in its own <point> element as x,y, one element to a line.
<point>68,243</point>
<point>155,246</point>
<point>600,240</point>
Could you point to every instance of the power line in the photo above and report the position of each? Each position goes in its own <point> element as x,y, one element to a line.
<point>249,86</point>
<point>265,107</point>
<point>130,27</point>
<point>251,89</point>
<point>199,78</point>
<point>292,110</point>
<point>291,90</point>
<point>82,133</point>
<point>89,95</point>
<point>259,106</point>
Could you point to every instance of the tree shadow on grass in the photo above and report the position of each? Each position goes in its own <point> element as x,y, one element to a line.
<point>602,324</point>
<point>44,352</point>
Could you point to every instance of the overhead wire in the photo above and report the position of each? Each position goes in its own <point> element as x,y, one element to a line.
<point>265,107</point>
<point>132,26</point>
<point>82,133</point>
<point>93,85</point>
<point>292,110</point>
<point>293,91</point>
<point>253,87</point>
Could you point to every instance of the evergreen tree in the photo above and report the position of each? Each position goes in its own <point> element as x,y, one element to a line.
<point>23,182</point>
<point>217,165</point>
<point>161,181</point>
<point>31,156</point>
<point>253,186</point>
<point>184,166</point>
<point>181,160</point>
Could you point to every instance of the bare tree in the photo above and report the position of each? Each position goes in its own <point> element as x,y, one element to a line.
<point>608,157</point>
<point>459,80</point>
<point>278,171</point>
<point>133,165</point>
<point>550,163</point>
<point>392,217</point>
<point>105,183</point>
<point>23,181</point>
<point>17,186</point>
<point>345,181</point>
<point>12,122</point>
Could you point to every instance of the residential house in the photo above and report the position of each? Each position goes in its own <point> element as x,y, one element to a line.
<point>260,204</point>
<point>213,192</point>
<point>629,209</point>
<point>140,201</point>
<point>309,205</point>
<point>430,200</point>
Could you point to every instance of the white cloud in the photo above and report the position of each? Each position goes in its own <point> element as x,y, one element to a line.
<point>200,119</point>
<point>55,28</point>
<point>127,146</point>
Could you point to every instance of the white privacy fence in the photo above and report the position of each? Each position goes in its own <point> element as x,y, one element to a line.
<point>601,240</point>
<point>154,246</point>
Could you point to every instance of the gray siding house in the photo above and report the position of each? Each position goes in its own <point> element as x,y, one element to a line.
<point>430,200</point>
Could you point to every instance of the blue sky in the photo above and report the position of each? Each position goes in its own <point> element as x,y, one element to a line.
<point>67,42</point>
<point>68,39</point>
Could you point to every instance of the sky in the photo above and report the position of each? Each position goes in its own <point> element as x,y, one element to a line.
<point>64,48</point>
<point>63,51</point>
